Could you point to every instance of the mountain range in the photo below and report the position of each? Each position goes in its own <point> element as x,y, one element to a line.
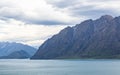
<point>15,50</point>
<point>98,38</point>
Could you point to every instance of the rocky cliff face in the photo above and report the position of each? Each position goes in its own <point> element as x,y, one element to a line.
<point>91,39</point>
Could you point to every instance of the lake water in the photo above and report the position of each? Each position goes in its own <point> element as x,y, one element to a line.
<point>59,67</point>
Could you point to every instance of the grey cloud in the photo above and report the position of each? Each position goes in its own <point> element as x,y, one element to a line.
<point>46,22</point>
<point>93,13</point>
<point>69,3</point>
<point>7,13</point>
<point>63,3</point>
<point>66,3</point>
<point>77,8</point>
<point>17,15</point>
<point>32,21</point>
<point>11,12</point>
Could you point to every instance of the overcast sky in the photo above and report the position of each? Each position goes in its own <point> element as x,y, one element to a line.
<point>33,21</point>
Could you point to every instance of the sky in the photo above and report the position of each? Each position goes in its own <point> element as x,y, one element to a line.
<point>34,21</point>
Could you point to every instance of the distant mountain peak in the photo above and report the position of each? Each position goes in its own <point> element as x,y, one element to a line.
<point>108,17</point>
<point>7,48</point>
<point>86,21</point>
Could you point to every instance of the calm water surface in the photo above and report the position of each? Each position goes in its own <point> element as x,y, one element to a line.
<point>59,67</point>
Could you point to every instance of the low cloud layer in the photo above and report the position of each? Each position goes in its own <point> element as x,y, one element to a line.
<point>34,35</point>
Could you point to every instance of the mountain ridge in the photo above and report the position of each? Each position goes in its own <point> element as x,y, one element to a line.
<point>90,39</point>
<point>7,48</point>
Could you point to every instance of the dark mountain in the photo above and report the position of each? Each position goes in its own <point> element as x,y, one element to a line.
<point>90,39</point>
<point>7,48</point>
<point>17,55</point>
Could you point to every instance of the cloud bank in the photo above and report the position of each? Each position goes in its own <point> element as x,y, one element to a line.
<point>34,12</point>
<point>65,12</point>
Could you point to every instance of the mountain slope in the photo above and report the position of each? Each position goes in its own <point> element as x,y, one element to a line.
<point>17,55</point>
<point>7,48</point>
<point>91,39</point>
